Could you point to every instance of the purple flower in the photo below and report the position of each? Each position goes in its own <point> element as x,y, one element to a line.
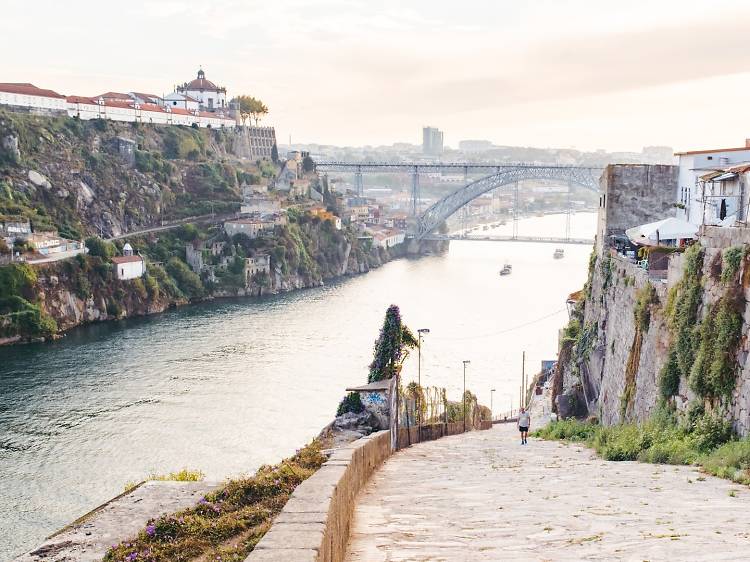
<point>151,530</point>
<point>132,556</point>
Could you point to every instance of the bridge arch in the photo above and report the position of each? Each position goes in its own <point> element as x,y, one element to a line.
<point>439,211</point>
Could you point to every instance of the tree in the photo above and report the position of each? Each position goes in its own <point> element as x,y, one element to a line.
<point>392,346</point>
<point>275,154</point>
<point>99,247</point>
<point>251,107</point>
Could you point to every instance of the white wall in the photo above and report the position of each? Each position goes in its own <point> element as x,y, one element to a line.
<point>39,102</point>
<point>129,270</point>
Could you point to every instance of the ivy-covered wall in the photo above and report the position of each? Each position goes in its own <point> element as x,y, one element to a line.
<point>635,343</point>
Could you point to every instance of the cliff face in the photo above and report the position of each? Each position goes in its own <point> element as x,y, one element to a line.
<point>638,341</point>
<point>82,290</point>
<point>106,178</point>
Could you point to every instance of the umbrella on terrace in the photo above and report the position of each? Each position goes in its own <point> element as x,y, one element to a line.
<point>654,233</point>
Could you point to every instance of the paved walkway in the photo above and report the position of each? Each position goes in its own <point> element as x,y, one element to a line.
<point>483,496</point>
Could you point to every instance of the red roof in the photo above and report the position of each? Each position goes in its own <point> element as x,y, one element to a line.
<point>152,107</point>
<point>28,90</point>
<point>114,96</point>
<point>118,103</point>
<point>180,111</point>
<point>126,259</point>
<point>81,99</point>
<point>146,96</point>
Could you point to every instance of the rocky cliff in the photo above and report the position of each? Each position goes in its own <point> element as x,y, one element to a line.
<point>638,341</point>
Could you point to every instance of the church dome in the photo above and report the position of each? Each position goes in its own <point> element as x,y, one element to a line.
<point>201,83</point>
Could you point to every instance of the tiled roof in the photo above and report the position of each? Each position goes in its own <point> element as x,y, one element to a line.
<point>126,259</point>
<point>711,151</point>
<point>28,90</point>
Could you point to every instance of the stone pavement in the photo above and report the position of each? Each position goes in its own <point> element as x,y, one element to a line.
<point>483,496</point>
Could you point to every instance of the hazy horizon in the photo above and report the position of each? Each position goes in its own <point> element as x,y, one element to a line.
<point>551,73</point>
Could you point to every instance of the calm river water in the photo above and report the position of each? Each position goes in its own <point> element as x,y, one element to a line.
<point>226,386</point>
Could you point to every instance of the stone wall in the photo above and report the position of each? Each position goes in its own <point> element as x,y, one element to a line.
<point>596,374</point>
<point>315,523</point>
<point>634,194</point>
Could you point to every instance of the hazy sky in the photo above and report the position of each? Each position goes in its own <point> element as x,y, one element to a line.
<point>583,73</point>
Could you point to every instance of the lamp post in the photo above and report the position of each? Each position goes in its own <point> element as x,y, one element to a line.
<point>466,362</point>
<point>420,334</point>
<point>492,395</point>
<point>510,401</point>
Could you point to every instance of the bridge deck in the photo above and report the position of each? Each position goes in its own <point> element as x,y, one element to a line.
<point>540,239</point>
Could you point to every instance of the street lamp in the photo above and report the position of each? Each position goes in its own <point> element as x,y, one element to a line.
<point>492,394</point>
<point>420,334</point>
<point>510,401</point>
<point>466,362</point>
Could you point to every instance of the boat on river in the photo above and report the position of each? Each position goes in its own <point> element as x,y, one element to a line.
<point>507,269</point>
<point>559,254</point>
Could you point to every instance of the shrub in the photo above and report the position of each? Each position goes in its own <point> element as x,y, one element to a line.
<point>568,430</point>
<point>731,460</point>
<point>352,402</point>
<point>100,248</point>
<point>188,282</point>
<point>731,260</point>
<point>709,431</point>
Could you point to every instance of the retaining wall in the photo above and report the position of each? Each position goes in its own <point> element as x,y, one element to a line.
<point>314,524</point>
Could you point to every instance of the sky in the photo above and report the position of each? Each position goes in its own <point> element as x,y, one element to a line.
<point>550,73</point>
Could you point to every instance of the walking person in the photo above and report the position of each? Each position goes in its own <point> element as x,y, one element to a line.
<point>524,421</point>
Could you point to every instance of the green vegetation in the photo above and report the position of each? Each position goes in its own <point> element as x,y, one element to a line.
<point>100,248</point>
<point>731,261</point>
<point>227,523</point>
<point>250,107</point>
<point>19,313</point>
<point>645,299</point>
<point>184,475</point>
<point>352,402</point>
<point>702,439</point>
<point>682,314</point>
<point>392,346</point>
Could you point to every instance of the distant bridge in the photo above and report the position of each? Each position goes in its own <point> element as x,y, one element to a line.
<point>510,238</point>
<point>495,175</point>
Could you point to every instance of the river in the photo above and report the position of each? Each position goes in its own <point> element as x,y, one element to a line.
<point>226,386</point>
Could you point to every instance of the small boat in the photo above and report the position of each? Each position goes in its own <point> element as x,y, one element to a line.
<point>559,254</point>
<point>507,269</point>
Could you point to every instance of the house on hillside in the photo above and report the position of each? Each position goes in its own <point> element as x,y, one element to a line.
<point>129,265</point>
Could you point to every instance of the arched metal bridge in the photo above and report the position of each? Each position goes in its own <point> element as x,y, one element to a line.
<point>496,176</point>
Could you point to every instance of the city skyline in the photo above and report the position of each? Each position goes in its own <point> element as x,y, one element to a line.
<point>611,77</point>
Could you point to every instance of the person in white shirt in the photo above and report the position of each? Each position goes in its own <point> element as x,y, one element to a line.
<point>524,421</point>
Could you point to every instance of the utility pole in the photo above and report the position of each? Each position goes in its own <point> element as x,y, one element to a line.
<point>492,395</point>
<point>522,401</point>
<point>466,362</point>
<point>420,334</point>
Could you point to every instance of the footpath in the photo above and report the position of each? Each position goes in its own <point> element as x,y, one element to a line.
<point>483,496</point>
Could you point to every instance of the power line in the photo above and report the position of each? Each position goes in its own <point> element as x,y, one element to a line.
<point>518,327</point>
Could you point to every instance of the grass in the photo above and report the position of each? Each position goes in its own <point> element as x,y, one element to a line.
<point>226,524</point>
<point>704,440</point>
<point>184,475</point>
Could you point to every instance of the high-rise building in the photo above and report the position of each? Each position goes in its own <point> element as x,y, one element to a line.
<point>432,141</point>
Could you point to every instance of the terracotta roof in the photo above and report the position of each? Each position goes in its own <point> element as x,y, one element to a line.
<point>202,84</point>
<point>152,107</point>
<point>180,110</point>
<point>692,152</point>
<point>28,90</point>
<point>126,259</point>
<point>81,99</point>
<point>114,95</point>
<point>118,103</point>
<point>146,96</point>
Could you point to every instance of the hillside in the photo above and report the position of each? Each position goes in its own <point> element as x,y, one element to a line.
<point>82,178</point>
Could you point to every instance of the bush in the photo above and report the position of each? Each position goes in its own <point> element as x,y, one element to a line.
<point>188,282</point>
<point>568,430</point>
<point>731,460</point>
<point>100,248</point>
<point>350,403</point>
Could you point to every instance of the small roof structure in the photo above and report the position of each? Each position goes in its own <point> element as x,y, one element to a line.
<point>376,386</point>
<point>666,229</point>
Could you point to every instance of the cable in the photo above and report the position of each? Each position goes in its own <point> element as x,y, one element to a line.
<point>504,331</point>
